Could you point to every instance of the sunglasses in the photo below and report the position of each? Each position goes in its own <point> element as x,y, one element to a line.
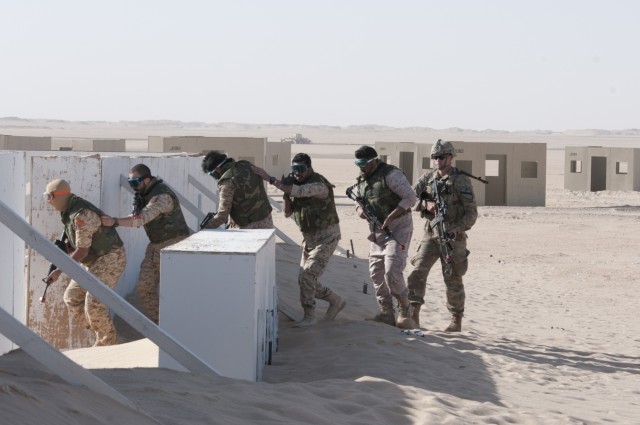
<point>135,181</point>
<point>363,162</point>
<point>439,157</point>
<point>50,195</point>
<point>298,168</point>
<point>212,173</point>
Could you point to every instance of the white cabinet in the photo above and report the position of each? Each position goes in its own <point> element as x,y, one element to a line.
<point>218,298</point>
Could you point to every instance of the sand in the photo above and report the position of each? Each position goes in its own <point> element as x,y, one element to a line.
<point>550,335</point>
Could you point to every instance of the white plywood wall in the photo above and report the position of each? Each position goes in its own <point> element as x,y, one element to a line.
<point>96,179</point>
<point>12,258</point>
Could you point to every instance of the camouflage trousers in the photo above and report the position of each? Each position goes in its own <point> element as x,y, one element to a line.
<point>428,254</point>
<point>85,308</point>
<point>317,249</point>
<point>148,285</point>
<point>387,260</point>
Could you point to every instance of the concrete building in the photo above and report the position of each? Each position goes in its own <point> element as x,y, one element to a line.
<point>89,145</point>
<point>24,143</point>
<point>275,157</point>
<point>594,168</point>
<point>516,171</point>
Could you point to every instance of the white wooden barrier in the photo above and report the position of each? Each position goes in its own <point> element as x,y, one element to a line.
<point>103,293</point>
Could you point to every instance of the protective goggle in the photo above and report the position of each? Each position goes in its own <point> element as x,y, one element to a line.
<point>363,162</point>
<point>50,195</point>
<point>299,168</point>
<point>134,182</point>
<point>439,157</point>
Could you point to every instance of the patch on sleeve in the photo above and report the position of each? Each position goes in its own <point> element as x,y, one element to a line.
<point>79,223</point>
<point>466,193</point>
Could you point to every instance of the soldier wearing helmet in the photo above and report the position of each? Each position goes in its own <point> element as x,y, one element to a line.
<point>95,246</point>
<point>456,191</point>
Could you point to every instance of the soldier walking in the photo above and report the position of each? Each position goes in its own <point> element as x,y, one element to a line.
<point>157,209</point>
<point>456,192</point>
<point>310,199</point>
<point>96,247</point>
<point>390,196</point>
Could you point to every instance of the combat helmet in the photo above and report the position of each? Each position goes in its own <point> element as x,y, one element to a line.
<point>442,148</point>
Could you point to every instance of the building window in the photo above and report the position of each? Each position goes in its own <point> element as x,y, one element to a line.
<point>274,160</point>
<point>622,167</point>
<point>426,162</point>
<point>492,168</point>
<point>529,170</point>
<point>383,158</point>
<point>576,166</point>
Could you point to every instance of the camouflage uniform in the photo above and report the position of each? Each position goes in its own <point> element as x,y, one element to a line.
<point>315,212</point>
<point>85,230</point>
<point>243,198</point>
<point>457,192</point>
<point>165,225</point>
<point>385,189</point>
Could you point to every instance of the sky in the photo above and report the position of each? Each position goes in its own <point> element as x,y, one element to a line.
<point>504,65</point>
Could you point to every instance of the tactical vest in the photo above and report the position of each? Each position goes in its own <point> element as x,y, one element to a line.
<point>104,240</point>
<point>167,225</point>
<point>250,201</point>
<point>313,213</point>
<point>375,191</point>
<point>449,194</point>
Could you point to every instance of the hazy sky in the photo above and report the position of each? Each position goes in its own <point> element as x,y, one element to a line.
<point>512,65</point>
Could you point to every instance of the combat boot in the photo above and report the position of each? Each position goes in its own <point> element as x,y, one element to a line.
<point>385,315</point>
<point>415,314</point>
<point>309,318</point>
<point>404,320</point>
<point>336,304</point>
<point>456,324</point>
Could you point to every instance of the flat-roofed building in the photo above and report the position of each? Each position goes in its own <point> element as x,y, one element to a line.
<point>595,168</point>
<point>516,171</point>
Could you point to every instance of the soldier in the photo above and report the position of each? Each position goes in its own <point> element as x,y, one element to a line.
<point>310,199</point>
<point>387,191</point>
<point>456,191</point>
<point>96,247</point>
<point>242,193</point>
<point>157,209</point>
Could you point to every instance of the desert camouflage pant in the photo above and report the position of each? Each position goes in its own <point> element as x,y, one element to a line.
<point>387,260</point>
<point>428,254</point>
<point>148,285</point>
<point>317,249</point>
<point>87,310</point>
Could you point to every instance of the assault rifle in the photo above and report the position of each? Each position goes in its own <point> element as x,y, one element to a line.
<point>374,223</point>
<point>62,244</point>
<point>288,180</point>
<point>444,237</point>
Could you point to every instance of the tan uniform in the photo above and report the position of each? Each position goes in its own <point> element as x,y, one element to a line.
<point>83,307</point>
<point>387,258</point>
<point>317,249</point>
<point>147,287</point>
